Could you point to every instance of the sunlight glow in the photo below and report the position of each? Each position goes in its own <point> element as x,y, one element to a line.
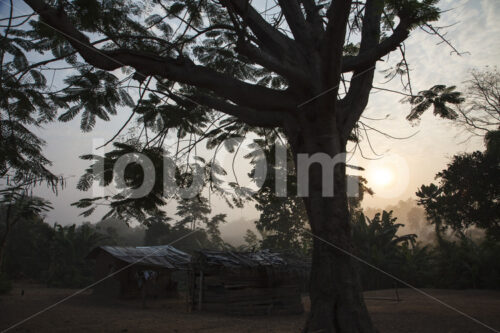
<point>382,177</point>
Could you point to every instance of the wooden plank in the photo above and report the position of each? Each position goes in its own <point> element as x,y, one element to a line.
<point>200,296</point>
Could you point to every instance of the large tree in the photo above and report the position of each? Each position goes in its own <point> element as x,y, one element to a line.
<point>16,206</point>
<point>468,193</point>
<point>281,68</point>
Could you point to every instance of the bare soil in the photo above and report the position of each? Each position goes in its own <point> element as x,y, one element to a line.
<point>88,313</point>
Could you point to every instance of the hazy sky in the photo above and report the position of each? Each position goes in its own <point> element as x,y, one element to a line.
<point>404,164</point>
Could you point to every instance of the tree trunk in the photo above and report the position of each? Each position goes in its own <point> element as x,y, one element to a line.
<point>2,251</point>
<point>337,303</point>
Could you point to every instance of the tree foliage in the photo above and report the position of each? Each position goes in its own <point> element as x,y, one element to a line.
<point>438,97</point>
<point>54,255</point>
<point>16,206</point>
<point>283,219</point>
<point>459,263</point>
<point>377,241</point>
<point>194,213</point>
<point>204,70</point>
<point>467,194</point>
<point>68,266</point>
<point>480,114</point>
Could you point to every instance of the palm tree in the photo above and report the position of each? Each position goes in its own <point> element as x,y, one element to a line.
<point>377,242</point>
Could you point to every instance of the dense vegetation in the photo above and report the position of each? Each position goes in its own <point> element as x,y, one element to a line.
<point>455,262</point>
<point>55,255</point>
<point>468,192</point>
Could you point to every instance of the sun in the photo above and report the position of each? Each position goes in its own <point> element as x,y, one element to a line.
<point>388,178</point>
<point>382,177</point>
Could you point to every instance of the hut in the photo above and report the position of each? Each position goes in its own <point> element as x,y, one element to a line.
<point>123,265</point>
<point>244,283</point>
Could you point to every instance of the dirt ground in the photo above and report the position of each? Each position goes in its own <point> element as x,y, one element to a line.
<point>87,313</point>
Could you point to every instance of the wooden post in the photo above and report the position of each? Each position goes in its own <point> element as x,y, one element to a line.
<point>397,293</point>
<point>200,294</point>
<point>188,292</point>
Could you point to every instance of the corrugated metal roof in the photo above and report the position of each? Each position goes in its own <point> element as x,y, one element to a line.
<point>238,259</point>
<point>162,256</point>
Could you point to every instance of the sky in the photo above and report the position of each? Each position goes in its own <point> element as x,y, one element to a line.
<point>403,164</point>
<point>416,160</point>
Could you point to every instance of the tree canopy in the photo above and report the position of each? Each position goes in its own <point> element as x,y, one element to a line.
<point>204,70</point>
<point>467,194</point>
<point>240,59</point>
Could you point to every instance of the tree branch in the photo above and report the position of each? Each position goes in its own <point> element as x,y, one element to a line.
<point>269,37</point>
<point>333,41</point>
<point>314,18</point>
<point>362,79</point>
<point>296,21</point>
<point>288,70</point>
<point>249,116</point>
<point>371,56</point>
<point>181,70</point>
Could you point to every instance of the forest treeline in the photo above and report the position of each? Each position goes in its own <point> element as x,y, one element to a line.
<point>56,255</point>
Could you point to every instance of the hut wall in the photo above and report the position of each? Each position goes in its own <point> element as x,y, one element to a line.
<point>124,284</point>
<point>106,264</point>
<point>247,291</point>
<point>163,287</point>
